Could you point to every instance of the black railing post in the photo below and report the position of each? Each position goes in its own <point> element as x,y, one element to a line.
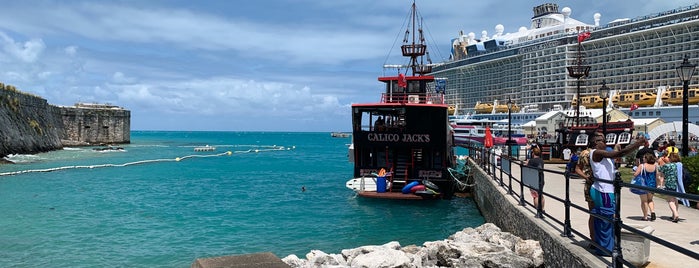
<point>566,222</point>
<point>540,193</point>
<point>521,187</point>
<point>493,165</point>
<point>502,183</point>
<point>617,256</point>
<point>509,185</point>
<point>484,161</point>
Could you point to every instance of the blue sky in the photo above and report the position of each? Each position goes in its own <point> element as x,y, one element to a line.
<point>263,65</point>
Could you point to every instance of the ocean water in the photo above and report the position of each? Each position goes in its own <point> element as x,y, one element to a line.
<point>141,207</point>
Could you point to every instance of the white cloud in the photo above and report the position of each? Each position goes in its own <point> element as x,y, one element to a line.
<point>71,50</point>
<point>28,51</point>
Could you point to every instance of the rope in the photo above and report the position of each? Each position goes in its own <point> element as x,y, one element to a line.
<point>463,173</point>
<point>176,159</point>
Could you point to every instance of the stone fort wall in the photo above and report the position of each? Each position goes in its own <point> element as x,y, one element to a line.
<point>29,124</point>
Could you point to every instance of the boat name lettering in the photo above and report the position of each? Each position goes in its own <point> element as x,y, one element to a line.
<point>538,47</point>
<point>430,174</point>
<point>397,137</point>
<point>416,138</point>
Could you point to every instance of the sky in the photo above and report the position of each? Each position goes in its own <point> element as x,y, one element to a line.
<point>265,65</point>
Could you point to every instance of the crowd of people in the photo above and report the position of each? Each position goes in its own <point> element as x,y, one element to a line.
<point>659,167</point>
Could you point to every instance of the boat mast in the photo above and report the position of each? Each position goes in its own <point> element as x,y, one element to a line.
<point>414,48</point>
<point>579,71</point>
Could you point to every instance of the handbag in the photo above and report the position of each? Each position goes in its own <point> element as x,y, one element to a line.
<point>639,180</point>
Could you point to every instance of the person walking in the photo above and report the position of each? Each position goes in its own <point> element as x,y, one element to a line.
<point>669,181</point>
<point>602,191</point>
<point>648,169</point>
<point>537,162</point>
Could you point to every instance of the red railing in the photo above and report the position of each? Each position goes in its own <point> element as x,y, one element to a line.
<point>429,98</point>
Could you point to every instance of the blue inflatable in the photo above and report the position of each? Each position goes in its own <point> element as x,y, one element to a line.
<point>406,188</point>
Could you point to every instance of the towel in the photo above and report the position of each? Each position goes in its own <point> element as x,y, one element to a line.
<point>680,185</point>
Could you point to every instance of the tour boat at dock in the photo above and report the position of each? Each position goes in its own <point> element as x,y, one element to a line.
<point>402,145</point>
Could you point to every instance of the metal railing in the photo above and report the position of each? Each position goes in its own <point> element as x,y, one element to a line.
<point>487,161</point>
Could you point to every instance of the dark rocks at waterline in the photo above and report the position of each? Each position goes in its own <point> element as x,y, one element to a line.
<point>484,246</point>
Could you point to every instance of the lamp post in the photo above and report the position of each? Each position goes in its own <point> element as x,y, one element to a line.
<point>685,71</point>
<point>509,126</point>
<point>604,94</point>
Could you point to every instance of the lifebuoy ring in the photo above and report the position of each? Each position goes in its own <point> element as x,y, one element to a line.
<point>430,185</point>
<point>406,188</point>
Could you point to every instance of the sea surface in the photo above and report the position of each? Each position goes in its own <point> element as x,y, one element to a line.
<point>158,203</point>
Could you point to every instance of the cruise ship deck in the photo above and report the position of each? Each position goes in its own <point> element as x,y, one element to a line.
<point>530,66</point>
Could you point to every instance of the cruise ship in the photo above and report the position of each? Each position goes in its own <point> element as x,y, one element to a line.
<point>632,56</point>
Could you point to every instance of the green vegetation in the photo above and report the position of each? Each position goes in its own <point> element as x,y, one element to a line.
<point>692,164</point>
<point>35,125</point>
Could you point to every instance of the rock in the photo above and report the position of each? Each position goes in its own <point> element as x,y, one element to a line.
<point>484,246</point>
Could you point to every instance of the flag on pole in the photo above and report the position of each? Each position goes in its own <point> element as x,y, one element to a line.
<point>634,106</point>
<point>402,82</point>
<point>582,36</point>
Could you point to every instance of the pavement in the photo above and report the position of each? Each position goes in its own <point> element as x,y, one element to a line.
<point>685,233</point>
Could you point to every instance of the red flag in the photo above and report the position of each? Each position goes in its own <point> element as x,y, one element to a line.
<point>582,36</point>
<point>401,81</point>
<point>634,106</point>
<point>488,139</point>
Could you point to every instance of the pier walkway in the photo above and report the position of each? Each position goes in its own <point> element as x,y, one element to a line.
<point>684,234</point>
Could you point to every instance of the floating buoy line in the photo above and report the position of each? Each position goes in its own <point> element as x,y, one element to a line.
<point>176,159</point>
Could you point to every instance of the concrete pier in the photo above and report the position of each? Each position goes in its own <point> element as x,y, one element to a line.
<point>503,209</point>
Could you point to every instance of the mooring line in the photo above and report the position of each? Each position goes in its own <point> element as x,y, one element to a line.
<point>176,159</point>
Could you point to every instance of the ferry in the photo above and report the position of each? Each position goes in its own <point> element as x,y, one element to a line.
<point>402,145</point>
<point>339,135</point>
<point>635,57</point>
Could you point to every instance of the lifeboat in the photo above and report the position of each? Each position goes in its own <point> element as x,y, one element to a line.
<point>502,108</point>
<point>591,101</point>
<point>483,108</point>
<point>639,98</point>
<point>674,96</point>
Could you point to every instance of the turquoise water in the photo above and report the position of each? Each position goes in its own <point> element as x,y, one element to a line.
<point>166,213</point>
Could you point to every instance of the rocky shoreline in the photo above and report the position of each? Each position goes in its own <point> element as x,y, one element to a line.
<point>484,246</point>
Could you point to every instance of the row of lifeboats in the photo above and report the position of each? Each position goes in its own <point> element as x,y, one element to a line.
<point>486,108</point>
<point>641,99</point>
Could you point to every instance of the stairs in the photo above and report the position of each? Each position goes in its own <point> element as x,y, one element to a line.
<point>402,170</point>
<point>400,173</point>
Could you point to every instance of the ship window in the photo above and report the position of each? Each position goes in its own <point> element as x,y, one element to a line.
<point>610,139</point>
<point>624,138</point>
<point>581,140</point>
<point>379,119</point>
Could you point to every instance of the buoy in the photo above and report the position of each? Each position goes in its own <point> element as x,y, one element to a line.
<point>177,159</point>
<point>229,153</point>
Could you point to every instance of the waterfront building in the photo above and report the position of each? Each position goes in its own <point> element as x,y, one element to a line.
<point>529,66</point>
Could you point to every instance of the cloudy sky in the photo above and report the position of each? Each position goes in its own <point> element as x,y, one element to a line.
<point>266,65</point>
